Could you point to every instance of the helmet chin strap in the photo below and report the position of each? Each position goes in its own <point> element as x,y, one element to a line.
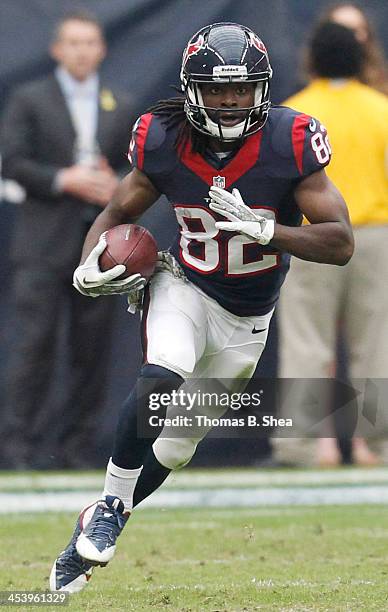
<point>227,133</point>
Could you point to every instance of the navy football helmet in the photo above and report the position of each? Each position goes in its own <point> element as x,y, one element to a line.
<point>225,53</point>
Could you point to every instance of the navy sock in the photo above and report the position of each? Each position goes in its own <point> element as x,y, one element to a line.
<point>129,450</point>
<point>152,476</point>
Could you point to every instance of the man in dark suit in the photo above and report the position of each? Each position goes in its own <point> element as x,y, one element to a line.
<point>64,139</point>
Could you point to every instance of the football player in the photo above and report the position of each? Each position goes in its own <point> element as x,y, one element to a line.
<point>240,175</point>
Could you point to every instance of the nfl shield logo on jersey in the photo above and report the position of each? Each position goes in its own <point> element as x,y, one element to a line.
<point>219,181</point>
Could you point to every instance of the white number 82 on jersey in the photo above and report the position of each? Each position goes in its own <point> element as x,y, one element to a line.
<point>203,250</point>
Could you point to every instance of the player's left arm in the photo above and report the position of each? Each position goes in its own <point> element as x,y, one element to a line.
<point>329,237</point>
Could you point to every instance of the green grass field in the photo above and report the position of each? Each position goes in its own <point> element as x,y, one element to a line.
<point>290,558</point>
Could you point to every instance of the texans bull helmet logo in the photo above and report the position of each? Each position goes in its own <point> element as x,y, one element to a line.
<point>256,42</point>
<point>193,48</point>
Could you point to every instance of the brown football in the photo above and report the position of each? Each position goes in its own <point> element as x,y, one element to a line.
<point>130,245</point>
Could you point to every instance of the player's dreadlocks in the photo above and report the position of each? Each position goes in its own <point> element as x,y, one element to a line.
<point>172,113</point>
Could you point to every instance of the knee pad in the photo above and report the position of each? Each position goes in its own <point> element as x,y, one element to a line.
<point>174,453</point>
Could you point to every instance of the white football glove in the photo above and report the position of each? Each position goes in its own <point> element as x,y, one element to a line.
<point>89,280</point>
<point>241,218</point>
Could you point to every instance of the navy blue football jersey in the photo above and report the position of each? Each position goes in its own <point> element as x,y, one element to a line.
<point>243,276</point>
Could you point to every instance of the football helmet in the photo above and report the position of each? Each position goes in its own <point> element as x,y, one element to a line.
<point>225,53</point>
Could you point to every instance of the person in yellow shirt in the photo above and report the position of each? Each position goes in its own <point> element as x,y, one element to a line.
<point>352,298</point>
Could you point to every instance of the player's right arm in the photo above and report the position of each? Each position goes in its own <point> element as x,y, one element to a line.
<point>134,195</point>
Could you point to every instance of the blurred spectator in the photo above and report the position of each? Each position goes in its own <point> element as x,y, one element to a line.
<point>374,70</point>
<point>352,298</point>
<point>64,139</point>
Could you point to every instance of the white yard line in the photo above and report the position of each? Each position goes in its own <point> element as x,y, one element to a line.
<point>271,477</point>
<point>13,481</point>
<point>204,498</point>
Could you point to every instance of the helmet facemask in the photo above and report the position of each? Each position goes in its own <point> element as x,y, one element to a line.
<point>207,119</point>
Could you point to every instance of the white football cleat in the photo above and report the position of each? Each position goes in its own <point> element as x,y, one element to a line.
<point>70,572</point>
<point>97,542</point>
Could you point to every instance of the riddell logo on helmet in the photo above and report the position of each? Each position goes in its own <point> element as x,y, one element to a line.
<point>220,71</point>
